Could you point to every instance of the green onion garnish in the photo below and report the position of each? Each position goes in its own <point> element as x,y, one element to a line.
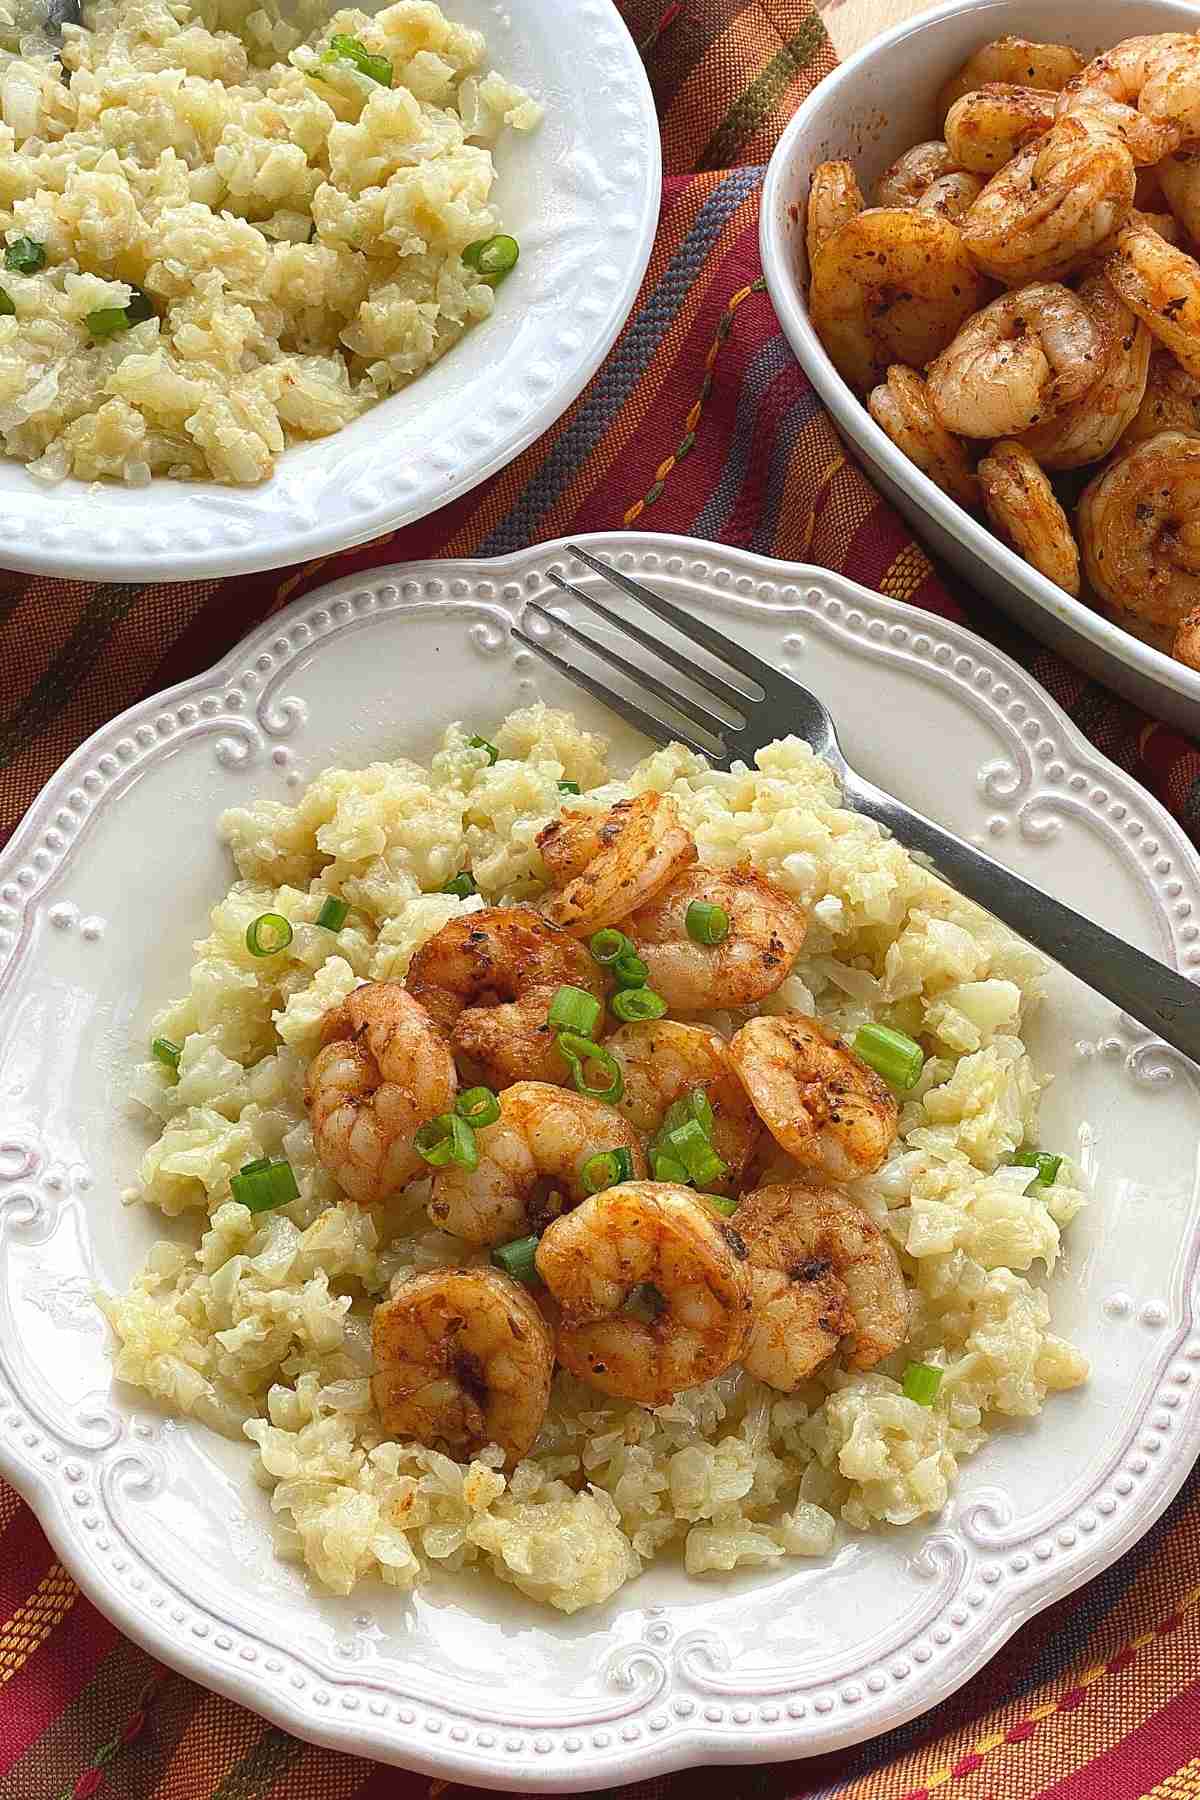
<point>333,914</point>
<point>568,787</point>
<point>446,1139</point>
<point>695,1105</point>
<point>609,945</point>
<point>720,1204</point>
<point>579,1051</point>
<point>110,321</point>
<point>899,1059</point>
<point>707,923</point>
<point>689,1145</point>
<point>481,743</point>
<point>352,50</point>
<point>492,258</point>
<point>167,1052</point>
<point>921,1383</point>
<point>25,256</point>
<point>263,1185</point>
<point>605,1169</point>
<point>574,1009</point>
<point>630,970</point>
<point>268,934</point>
<point>632,1004</point>
<point>1047,1166</point>
<point>478,1106</point>
<point>6,304</point>
<point>517,1258</point>
<point>665,1167</point>
<point>463,884</point>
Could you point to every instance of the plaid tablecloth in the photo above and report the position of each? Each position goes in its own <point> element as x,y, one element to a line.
<point>699,422</point>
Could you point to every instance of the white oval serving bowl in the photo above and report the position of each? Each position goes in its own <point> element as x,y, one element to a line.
<point>869,110</point>
<point>160,1521</point>
<point>581,194</point>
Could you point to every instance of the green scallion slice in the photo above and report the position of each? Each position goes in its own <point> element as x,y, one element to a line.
<point>481,743</point>
<point>579,1052</point>
<point>689,1145</point>
<point>609,946</point>
<point>629,969</point>
<point>268,934</point>
<point>463,884</point>
<point>720,1204</point>
<point>606,1169</point>
<point>568,787</point>
<point>167,1052</point>
<point>665,1167</point>
<point>110,321</point>
<point>574,1009</point>
<point>707,923</point>
<point>252,1168</point>
<point>899,1059</point>
<point>478,1106</point>
<point>25,256</point>
<point>6,303</point>
<point>492,258</point>
<point>264,1185</point>
<point>637,1003</point>
<point>346,49</point>
<point>694,1105</point>
<point>517,1258</point>
<point>1047,1166</point>
<point>446,1139</point>
<point>333,914</point>
<point>921,1382</point>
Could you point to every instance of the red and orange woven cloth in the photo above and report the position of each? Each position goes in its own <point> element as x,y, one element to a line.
<point>699,422</point>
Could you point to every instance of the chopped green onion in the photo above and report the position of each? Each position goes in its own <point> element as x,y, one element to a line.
<point>268,934</point>
<point>609,946</point>
<point>462,884</point>
<point>568,787</point>
<point>481,743</point>
<point>446,1139</point>
<point>352,50</point>
<point>574,1009</point>
<point>517,1258</point>
<point>1047,1166</point>
<point>478,1106</point>
<point>921,1383</point>
<point>492,258</point>
<point>694,1105</point>
<point>605,1169</point>
<point>333,914</point>
<point>110,321</point>
<point>25,256</point>
<point>690,1146</point>
<point>140,308</point>
<point>630,970</point>
<point>579,1051</point>
<point>707,923</point>
<point>167,1052</point>
<point>6,304</point>
<point>263,1185</point>
<point>899,1059</point>
<point>632,1004</point>
<point>720,1204</point>
<point>665,1167</point>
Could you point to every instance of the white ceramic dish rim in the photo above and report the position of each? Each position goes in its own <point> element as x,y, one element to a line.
<point>853,416</point>
<point>820,599</point>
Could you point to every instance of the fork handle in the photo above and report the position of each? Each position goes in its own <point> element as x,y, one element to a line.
<point>1164,1002</point>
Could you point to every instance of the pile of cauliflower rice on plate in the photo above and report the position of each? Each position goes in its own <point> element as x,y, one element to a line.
<point>261,1326</point>
<point>219,244</point>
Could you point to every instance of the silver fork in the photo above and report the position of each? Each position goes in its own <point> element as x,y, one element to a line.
<point>1156,996</point>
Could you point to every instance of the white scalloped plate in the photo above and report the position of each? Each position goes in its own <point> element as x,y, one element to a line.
<point>102,890</point>
<point>581,193</point>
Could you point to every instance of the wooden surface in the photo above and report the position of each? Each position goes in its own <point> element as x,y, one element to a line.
<point>853,23</point>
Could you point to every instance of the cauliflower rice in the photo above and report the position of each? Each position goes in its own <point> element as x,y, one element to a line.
<point>296,226</point>
<point>262,1327</point>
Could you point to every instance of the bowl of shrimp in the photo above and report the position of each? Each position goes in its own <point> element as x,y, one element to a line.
<point>980,237</point>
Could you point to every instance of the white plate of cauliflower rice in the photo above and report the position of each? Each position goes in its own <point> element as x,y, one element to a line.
<point>278,278</point>
<point>498,1328</point>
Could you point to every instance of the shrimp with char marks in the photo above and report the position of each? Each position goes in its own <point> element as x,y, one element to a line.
<point>605,865</point>
<point>900,406</point>
<point>662,1061</point>
<point>463,1359</point>
<point>1043,214</point>
<point>820,1101</point>
<point>530,1163</point>
<point>1171,402</point>
<point>1179,179</point>
<point>1162,285</point>
<point>820,1271</point>
<point>1086,429</point>
<point>1139,529</point>
<point>1118,89</point>
<point>647,1233</point>
<point>487,979</point>
<point>384,1069</point>
<point>765,936</point>
<point>1171,90</point>
<point>1018,361</point>
<point>927,176</point>
<point>1023,507</point>
<point>986,128</point>
<point>952,196</point>
<point>833,197</point>
<point>1017,61</point>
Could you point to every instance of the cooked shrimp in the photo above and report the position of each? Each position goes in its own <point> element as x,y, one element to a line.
<point>952,195</point>
<point>383,1071</point>
<point>662,1061</point>
<point>820,1270</point>
<point>1016,60</point>
<point>900,405</point>
<point>766,932</point>
<point>1171,402</point>
<point>833,197</point>
<point>647,1233</point>
<point>463,1359</point>
<point>530,1163</point>
<point>1186,643</point>
<point>487,979</point>
<point>1016,362</point>
<point>1111,87</point>
<point>1162,285</point>
<point>819,1100</point>
<point>911,176</point>
<point>893,285</point>
<point>1022,506</point>
<point>1059,197</point>
<point>605,865</point>
<point>1139,529</point>
<point>1171,90</point>
<point>986,128</point>
<point>1087,428</point>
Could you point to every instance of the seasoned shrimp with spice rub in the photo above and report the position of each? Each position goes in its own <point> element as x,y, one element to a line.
<point>605,865</point>
<point>663,1061</point>
<point>820,1102</point>
<point>763,935</point>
